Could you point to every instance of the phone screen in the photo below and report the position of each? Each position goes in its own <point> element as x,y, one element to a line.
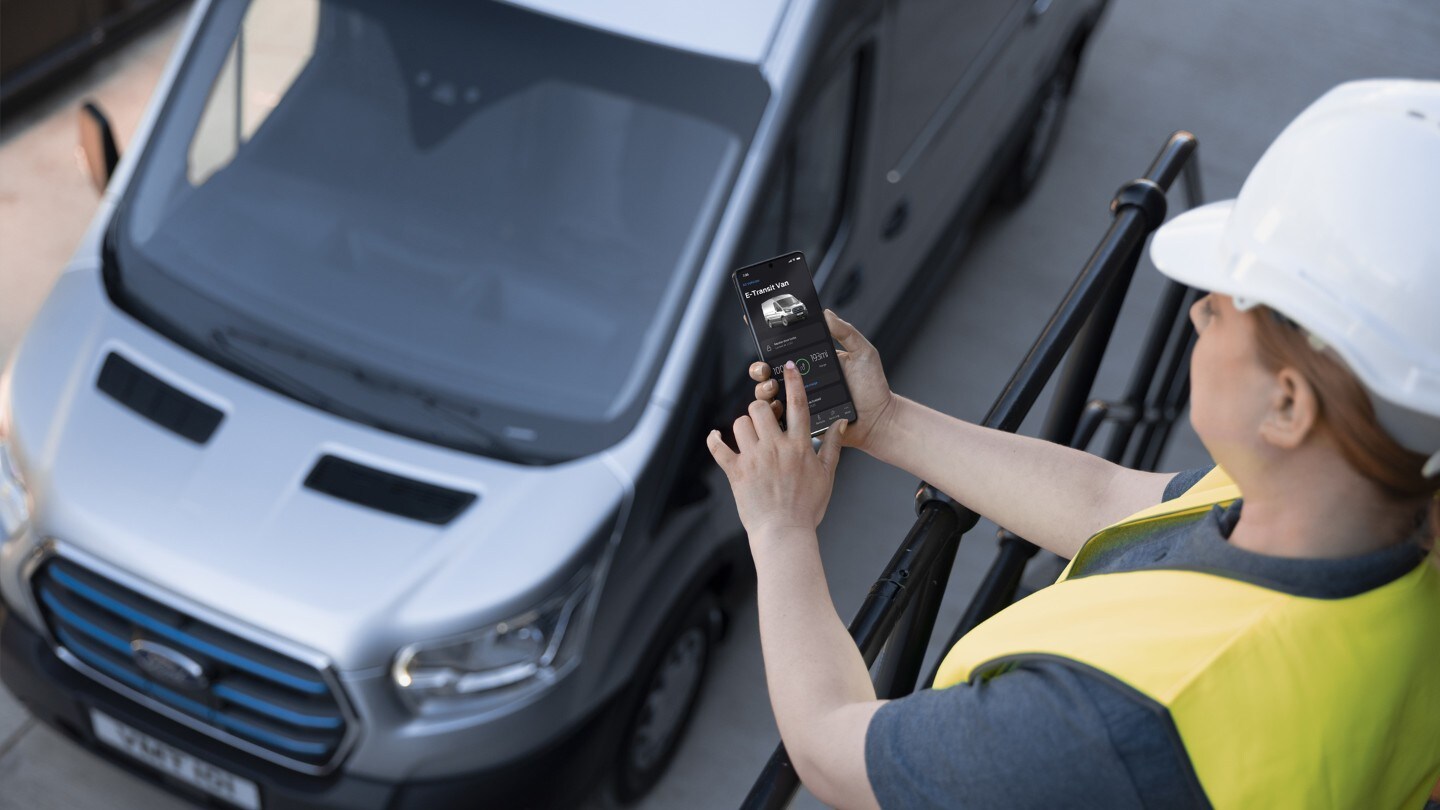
<point>785,317</point>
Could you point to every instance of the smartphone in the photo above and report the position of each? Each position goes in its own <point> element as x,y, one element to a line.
<point>783,311</point>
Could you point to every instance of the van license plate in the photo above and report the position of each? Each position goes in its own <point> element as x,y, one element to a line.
<point>177,763</point>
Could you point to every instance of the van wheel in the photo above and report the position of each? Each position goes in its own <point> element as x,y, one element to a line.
<point>670,683</point>
<point>1044,131</point>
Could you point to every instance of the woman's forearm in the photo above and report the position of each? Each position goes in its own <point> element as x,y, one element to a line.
<point>820,688</point>
<point>812,665</point>
<point>1051,495</point>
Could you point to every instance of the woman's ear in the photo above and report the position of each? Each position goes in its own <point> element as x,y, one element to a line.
<point>1293,412</point>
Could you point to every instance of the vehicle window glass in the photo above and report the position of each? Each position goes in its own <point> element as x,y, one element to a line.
<point>218,135</point>
<point>821,157</point>
<point>470,223</point>
<point>276,40</point>
<point>763,240</point>
<point>804,201</point>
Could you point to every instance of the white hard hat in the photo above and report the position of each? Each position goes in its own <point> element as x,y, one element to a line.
<point>1338,228</point>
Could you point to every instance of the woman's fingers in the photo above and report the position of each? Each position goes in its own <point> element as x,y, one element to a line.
<point>767,426</point>
<point>759,372</point>
<point>745,436</point>
<point>720,451</point>
<point>767,390</point>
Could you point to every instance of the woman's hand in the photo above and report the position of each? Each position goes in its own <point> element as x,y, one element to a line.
<point>860,363</point>
<point>779,481</point>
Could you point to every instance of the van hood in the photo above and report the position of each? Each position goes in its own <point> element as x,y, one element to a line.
<point>229,527</point>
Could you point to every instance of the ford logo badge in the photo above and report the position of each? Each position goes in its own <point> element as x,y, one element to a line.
<point>168,665</point>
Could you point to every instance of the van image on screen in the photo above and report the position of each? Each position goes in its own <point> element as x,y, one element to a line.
<point>783,310</point>
<point>357,459</point>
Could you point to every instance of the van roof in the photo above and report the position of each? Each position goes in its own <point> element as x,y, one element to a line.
<point>736,29</point>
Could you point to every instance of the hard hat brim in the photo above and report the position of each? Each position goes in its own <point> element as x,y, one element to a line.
<point>1190,248</point>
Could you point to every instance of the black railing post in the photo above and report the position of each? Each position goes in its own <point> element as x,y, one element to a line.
<point>1078,377</point>
<point>1172,393</point>
<point>917,574</point>
<point>1142,379</point>
<point>1138,211</point>
<point>905,651</point>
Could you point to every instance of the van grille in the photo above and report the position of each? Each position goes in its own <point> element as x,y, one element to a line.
<point>277,707</point>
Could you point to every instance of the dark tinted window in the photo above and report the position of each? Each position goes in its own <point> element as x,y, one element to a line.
<point>820,160</point>
<point>805,200</point>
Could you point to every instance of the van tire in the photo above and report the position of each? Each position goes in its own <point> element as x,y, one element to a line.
<point>1041,134</point>
<point>682,651</point>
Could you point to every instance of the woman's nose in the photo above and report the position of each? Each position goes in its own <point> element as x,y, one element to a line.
<point>1197,311</point>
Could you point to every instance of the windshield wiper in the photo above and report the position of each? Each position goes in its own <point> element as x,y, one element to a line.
<point>479,439</point>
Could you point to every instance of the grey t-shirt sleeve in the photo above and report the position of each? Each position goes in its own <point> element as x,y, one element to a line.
<point>1043,734</point>
<point>1183,481</point>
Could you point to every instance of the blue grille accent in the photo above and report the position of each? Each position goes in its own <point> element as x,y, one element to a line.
<point>314,687</point>
<point>251,692</point>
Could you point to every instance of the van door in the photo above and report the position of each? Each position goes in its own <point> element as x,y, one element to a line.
<point>939,112</point>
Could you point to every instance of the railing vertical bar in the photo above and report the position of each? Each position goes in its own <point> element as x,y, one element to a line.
<point>1194,194</point>
<point>927,554</point>
<point>1077,379</point>
<point>1170,394</point>
<point>905,651</point>
<point>1142,379</point>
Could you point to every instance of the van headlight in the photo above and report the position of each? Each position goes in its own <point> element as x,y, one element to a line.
<point>14,498</point>
<point>506,658</point>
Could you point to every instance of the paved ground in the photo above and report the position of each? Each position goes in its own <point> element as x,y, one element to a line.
<point>1232,71</point>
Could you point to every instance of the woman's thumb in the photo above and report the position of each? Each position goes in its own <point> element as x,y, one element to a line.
<point>840,329</point>
<point>830,444</point>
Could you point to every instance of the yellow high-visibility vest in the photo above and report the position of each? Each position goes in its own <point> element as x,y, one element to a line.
<point>1281,701</point>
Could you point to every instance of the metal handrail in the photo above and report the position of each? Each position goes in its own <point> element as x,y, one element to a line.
<point>1081,326</point>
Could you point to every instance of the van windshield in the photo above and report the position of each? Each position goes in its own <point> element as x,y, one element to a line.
<point>460,221</point>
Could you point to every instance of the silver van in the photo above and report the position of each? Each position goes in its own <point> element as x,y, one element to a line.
<point>783,310</point>
<point>356,459</point>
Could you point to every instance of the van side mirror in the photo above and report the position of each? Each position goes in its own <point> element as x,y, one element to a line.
<point>97,145</point>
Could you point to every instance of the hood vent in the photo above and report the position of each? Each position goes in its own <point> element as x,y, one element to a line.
<point>387,492</point>
<point>157,400</point>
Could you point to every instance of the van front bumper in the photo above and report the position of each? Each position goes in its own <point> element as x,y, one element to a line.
<point>559,775</point>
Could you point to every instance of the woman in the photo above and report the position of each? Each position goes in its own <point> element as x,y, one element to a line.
<point>1194,653</point>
